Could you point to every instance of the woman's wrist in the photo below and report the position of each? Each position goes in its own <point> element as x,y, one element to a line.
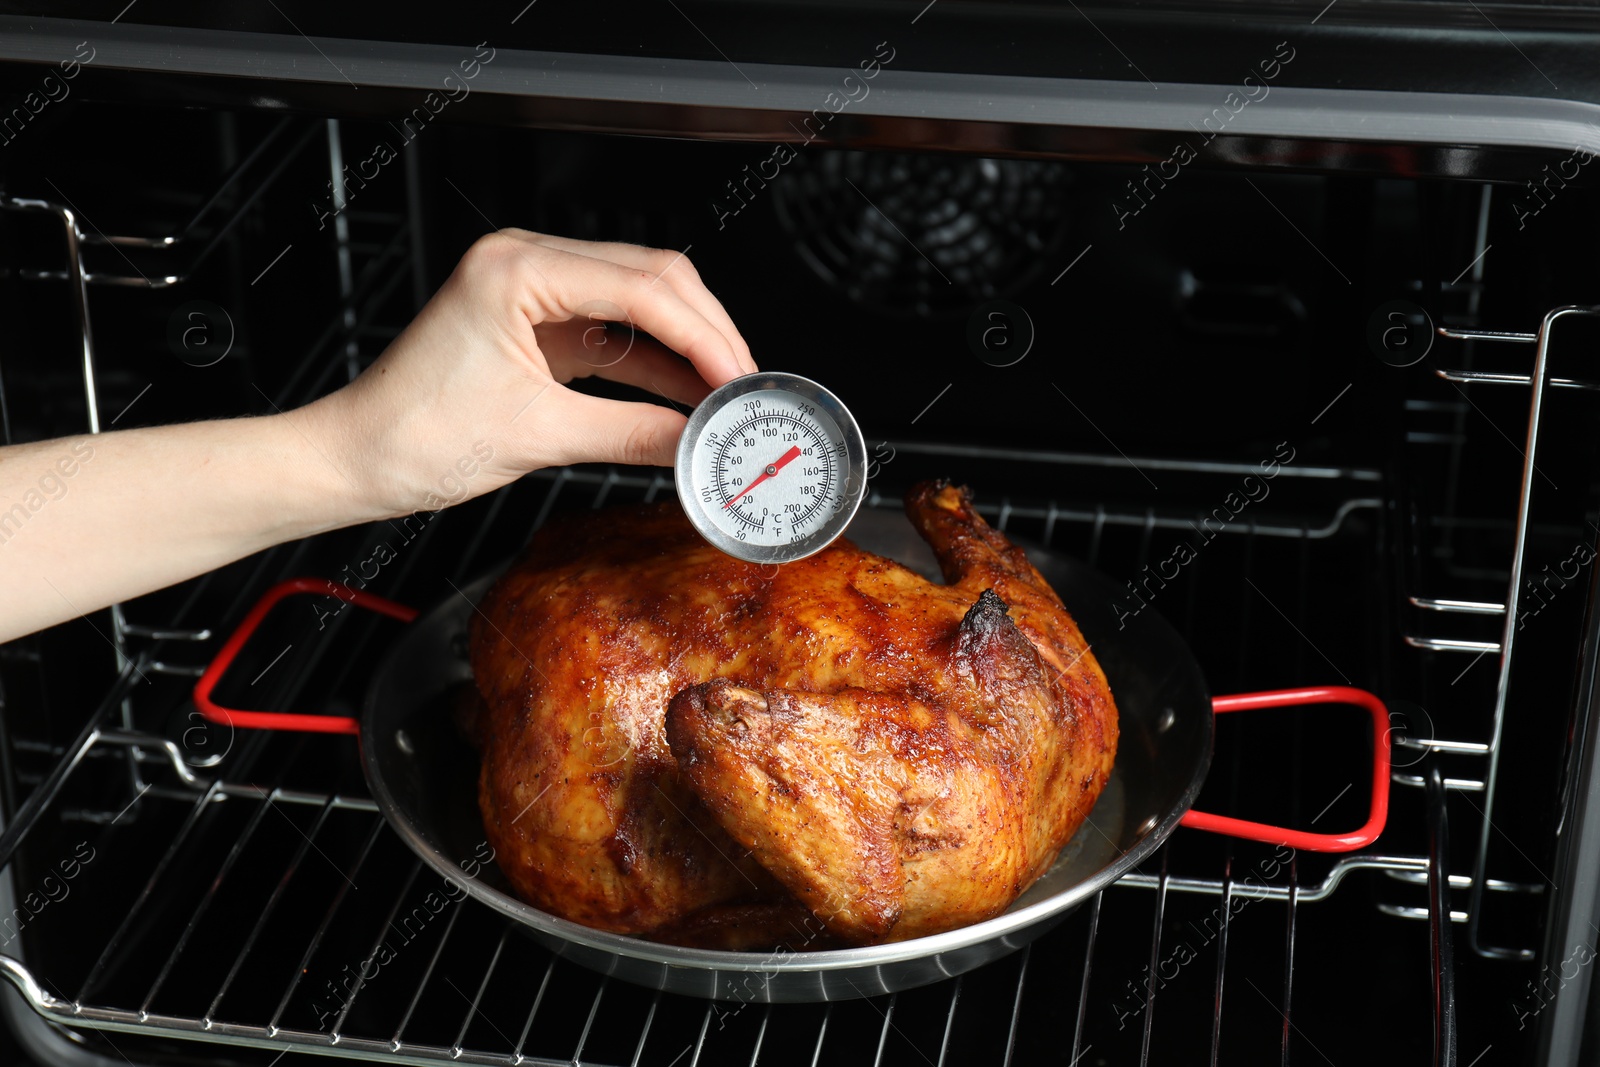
<point>327,473</point>
<point>403,446</point>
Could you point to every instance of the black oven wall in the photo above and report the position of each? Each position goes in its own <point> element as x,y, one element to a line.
<point>1112,361</point>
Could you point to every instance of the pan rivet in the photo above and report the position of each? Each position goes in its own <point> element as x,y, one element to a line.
<point>1168,717</point>
<point>402,741</point>
<point>1148,825</point>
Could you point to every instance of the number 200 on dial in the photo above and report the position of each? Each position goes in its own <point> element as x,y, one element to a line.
<point>771,467</point>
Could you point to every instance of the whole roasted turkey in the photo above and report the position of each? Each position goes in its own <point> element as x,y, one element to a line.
<point>684,746</point>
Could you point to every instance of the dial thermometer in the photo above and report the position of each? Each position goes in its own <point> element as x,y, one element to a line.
<point>771,467</point>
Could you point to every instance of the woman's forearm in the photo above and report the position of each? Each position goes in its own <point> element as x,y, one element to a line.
<point>93,520</point>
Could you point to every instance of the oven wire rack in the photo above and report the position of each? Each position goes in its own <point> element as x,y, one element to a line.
<point>198,801</point>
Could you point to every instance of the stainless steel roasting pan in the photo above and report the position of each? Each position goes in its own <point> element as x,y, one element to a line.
<point>424,777</point>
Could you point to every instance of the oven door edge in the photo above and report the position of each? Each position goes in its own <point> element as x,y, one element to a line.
<point>1458,135</point>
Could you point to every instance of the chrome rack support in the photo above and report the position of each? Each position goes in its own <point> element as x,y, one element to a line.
<point>78,278</point>
<point>138,279</point>
<point>80,291</point>
<point>1508,633</point>
<point>341,234</point>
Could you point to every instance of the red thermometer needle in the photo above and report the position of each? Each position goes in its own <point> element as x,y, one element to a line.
<point>783,461</point>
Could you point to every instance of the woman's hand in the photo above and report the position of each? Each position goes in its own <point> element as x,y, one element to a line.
<point>473,394</point>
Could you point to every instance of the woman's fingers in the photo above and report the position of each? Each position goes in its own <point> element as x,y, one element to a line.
<point>582,349</point>
<point>555,286</point>
<point>671,268</point>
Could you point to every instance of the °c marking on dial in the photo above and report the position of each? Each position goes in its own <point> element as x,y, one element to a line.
<point>731,496</point>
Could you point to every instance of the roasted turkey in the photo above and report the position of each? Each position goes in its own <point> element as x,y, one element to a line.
<point>687,747</point>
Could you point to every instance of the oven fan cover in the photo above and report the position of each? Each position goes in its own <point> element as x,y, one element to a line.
<point>908,234</point>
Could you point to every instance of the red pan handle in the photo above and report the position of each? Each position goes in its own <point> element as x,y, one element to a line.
<point>1378,809</point>
<point>275,720</point>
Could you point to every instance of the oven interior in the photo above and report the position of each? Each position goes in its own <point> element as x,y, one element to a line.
<point>228,886</point>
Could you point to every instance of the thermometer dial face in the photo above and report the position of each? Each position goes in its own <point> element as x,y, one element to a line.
<point>771,467</point>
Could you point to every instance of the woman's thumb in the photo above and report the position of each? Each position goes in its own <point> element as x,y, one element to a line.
<point>595,430</point>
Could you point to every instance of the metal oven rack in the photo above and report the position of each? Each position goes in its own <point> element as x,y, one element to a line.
<point>282,828</point>
<point>496,997</point>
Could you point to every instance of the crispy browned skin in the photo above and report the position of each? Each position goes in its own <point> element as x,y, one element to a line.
<point>902,757</point>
